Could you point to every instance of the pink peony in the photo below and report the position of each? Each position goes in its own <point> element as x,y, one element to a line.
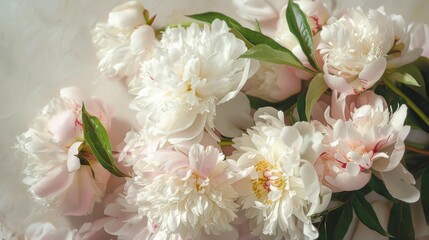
<point>55,174</point>
<point>361,137</point>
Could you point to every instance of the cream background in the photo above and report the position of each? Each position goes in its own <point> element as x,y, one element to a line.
<point>45,45</point>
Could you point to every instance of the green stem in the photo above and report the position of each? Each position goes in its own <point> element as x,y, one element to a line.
<point>410,103</point>
<point>225,143</point>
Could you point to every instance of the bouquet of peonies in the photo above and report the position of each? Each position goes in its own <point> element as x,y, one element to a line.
<point>251,130</point>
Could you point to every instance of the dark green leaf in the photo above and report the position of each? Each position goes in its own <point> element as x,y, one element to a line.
<point>414,101</point>
<point>254,37</point>
<point>378,186</point>
<point>266,53</point>
<point>366,213</point>
<point>209,17</point>
<point>425,193</point>
<point>300,107</point>
<point>321,227</point>
<point>332,221</point>
<point>256,102</point>
<point>401,222</point>
<point>394,101</point>
<point>344,221</point>
<point>96,136</point>
<point>315,90</point>
<point>299,26</point>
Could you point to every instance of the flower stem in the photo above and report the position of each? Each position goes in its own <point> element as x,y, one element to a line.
<point>417,150</point>
<point>225,143</point>
<point>409,102</point>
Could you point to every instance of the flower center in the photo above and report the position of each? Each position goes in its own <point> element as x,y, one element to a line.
<point>268,177</point>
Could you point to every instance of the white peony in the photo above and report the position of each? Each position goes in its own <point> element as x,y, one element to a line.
<point>192,72</point>
<point>56,176</point>
<point>282,192</point>
<point>124,41</point>
<point>188,194</point>
<point>362,137</point>
<point>357,48</point>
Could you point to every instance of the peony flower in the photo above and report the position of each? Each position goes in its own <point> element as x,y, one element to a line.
<point>357,48</point>
<point>282,191</point>
<point>124,41</point>
<point>193,71</point>
<point>55,173</point>
<point>273,82</point>
<point>419,34</point>
<point>266,12</point>
<point>362,137</point>
<point>186,193</point>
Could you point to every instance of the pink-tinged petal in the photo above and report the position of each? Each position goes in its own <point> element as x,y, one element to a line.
<point>400,183</point>
<point>73,162</point>
<point>347,182</point>
<point>203,160</point>
<point>338,83</point>
<point>55,182</point>
<point>338,106</point>
<point>73,93</point>
<point>233,117</point>
<point>64,127</point>
<point>142,38</point>
<point>288,82</point>
<point>372,72</point>
<point>81,194</point>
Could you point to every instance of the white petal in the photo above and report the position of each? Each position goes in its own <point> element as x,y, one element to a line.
<point>400,182</point>
<point>233,117</point>
<point>73,162</point>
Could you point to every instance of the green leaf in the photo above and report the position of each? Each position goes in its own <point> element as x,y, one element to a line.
<point>96,136</point>
<point>378,186</point>
<point>209,17</point>
<point>315,90</point>
<point>366,213</point>
<point>252,37</point>
<point>301,106</point>
<point>299,26</point>
<point>414,71</point>
<point>425,193</point>
<point>321,227</point>
<point>265,53</point>
<point>256,102</point>
<point>410,103</point>
<point>394,101</point>
<point>404,78</point>
<point>401,222</point>
<point>344,222</point>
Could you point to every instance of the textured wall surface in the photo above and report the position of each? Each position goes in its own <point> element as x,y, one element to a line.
<point>45,45</point>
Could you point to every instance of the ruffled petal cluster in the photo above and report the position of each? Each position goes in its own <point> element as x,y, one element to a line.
<point>362,138</point>
<point>124,41</point>
<point>53,149</point>
<point>358,47</point>
<point>192,71</point>
<point>282,191</point>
